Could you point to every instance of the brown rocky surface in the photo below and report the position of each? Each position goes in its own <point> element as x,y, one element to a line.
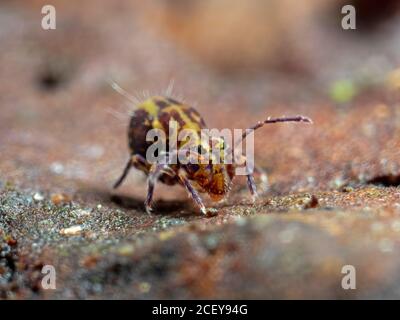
<point>334,198</point>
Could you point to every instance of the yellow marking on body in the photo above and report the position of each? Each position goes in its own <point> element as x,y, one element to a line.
<point>156,124</point>
<point>150,106</point>
<point>153,110</point>
<point>182,111</point>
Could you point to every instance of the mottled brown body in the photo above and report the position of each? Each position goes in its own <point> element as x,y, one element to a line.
<point>156,113</point>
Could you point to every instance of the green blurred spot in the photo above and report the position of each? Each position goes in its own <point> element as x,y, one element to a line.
<point>343,91</point>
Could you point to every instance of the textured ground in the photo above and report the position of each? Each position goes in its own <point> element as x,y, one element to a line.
<point>334,198</point>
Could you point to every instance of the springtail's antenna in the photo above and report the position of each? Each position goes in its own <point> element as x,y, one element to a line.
<point>123,92</point>
<point>272,120</point>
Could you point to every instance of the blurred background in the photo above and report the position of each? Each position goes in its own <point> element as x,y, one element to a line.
<point>63,128</point>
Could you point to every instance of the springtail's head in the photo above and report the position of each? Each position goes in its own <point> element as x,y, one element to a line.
<point>214,174</point>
